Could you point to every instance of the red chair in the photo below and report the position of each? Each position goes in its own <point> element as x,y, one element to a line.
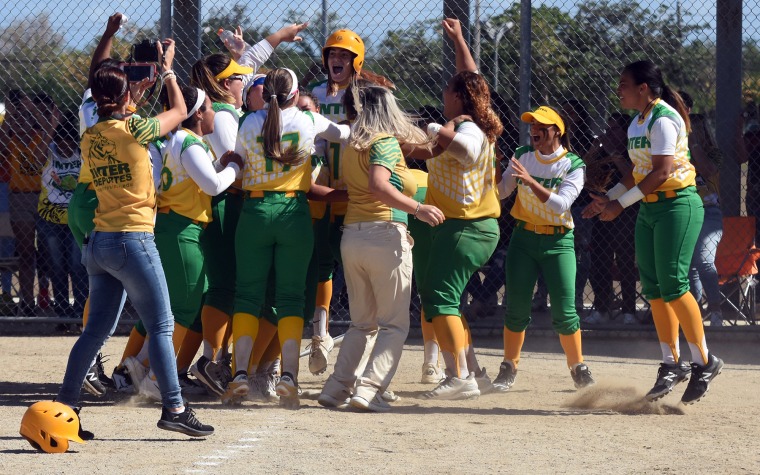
<point>736,262</point>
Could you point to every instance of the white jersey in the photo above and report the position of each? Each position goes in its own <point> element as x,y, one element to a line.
<point>299,129</point>
<point>331,107</point>
<point>88,112</point>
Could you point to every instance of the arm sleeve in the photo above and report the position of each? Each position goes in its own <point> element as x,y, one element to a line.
<point>225,133</point>
<point>201,170</point>
<point>663,136</point>
<point>256,55</point>
<point>327,129</point>
<point>144,130</point>
<point>508,182</point>
<point>568,191</point>
<point>467,144</point>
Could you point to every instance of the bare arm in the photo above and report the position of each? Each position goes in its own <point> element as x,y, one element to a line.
<point>464,61</point>
<point>381,188</point>
<point>325,193</point>
<point>287,34</point>
<point>103,50</point>
<point>170,119</point>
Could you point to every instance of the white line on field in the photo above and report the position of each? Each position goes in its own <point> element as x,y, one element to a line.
<point>240,446</point>
<point>209,464</point>
<point>249,439</point>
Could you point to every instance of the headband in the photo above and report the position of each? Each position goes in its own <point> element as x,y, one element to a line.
<point>198,103</point>
<point>293,88</point>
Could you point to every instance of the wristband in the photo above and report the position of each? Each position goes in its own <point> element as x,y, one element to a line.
<point>417,210</point>
<point>433,129</point>
<point>168,74</point>
<point>616,191</point>
<point>630,197</point>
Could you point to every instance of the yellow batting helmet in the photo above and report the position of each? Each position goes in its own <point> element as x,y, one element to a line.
<point>348,40</point>
<point>49,426</point>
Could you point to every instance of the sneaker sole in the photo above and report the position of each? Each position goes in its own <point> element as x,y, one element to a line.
<point>465,396</point>
<point>333,403</point>
<point>652,397</point>
<point>92,389</point>
<point>183,429</point>
<point>369,407</point>
<point>206,381</point>
<point>288,397</point>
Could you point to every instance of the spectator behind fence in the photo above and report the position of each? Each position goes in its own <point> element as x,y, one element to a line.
<point>59,178</point>
<point>608,163</point>
<point>707,160</point>
<point>748,151</point>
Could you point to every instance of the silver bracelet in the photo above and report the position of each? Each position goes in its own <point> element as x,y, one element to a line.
<point>168,74</point>
<point>417,210</point>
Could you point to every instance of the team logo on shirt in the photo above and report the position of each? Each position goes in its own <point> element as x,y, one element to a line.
<point>114,171</point>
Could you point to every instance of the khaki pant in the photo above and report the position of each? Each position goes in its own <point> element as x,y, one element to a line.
<point>377,263</point>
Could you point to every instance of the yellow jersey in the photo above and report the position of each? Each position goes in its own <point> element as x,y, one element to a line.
<point>178,191</point>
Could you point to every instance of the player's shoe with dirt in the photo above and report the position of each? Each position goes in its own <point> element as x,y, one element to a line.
<point>668,376</point>
<point>268,386</point>
<point>319,355</point>
<point>190,387</point>
<point>148,388</point>
<point>376,404</point>
<point>287,389</point>
<point>92,383</point>
<point>185,422</point>
<point>210,374</point>
<point>701,376</point>
<point>505,379</point>
<point>452,388</point>
<point>137,372</point>
<point>328,400</point>
<point>237,389</point>
<point>102,376</point>
<point>484,382</point>
<point>582,376</point>
<point>122,381</point>
<point>389,396</point>
<point>431,374</point>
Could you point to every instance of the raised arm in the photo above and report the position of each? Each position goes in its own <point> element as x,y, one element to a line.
<point>171,118</point>
<point>464,61</point>
<point>103,50</point>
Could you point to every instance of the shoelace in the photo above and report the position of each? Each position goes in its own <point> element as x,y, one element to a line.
<point>191,419</point>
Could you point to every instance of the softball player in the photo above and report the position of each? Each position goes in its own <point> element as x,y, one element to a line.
<point>548,178</point>
<point>668,225</point>
<point>274,231</point>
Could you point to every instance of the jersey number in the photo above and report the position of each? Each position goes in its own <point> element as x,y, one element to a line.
<point>335,149</point>
<point>291,139</point>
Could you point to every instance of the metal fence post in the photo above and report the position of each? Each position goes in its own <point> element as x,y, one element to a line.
<point>459,9</point>
<point>187,24</point>
<point>525,51</point>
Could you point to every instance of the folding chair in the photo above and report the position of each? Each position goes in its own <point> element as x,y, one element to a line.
<point>736,262</point>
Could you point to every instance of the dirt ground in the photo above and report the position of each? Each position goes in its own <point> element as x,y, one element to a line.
<point>543,425</point>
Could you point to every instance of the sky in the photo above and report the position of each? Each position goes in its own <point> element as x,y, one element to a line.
<point>82,21</point>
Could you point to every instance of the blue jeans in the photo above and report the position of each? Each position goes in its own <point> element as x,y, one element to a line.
<point>64,260</point>
<point>703,275</point>
<point>117,262</point>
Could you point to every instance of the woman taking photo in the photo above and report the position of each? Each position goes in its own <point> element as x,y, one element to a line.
<point>376,247</point>
<point>670,219</point>
<point>121,253</point>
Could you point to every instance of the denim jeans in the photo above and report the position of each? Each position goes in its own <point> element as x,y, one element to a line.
<point>117,262</point>
<point>64,260</point>
<point>703,275</point>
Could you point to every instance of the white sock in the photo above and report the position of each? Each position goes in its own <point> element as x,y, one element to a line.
<point>472,360</point>
<point>144,354</point>
<point>667,354</point>
<point>243,348</point>
<point>208,351</point>
<point>431,352</point>
<point>320,322</point>
<point>696,355</point>
<point>290,353</point>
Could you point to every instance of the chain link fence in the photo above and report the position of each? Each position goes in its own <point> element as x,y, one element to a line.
<point>576,52</point>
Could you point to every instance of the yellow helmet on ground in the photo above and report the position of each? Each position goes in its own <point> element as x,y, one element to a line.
<point>49,426</point>
<point>348,40</point>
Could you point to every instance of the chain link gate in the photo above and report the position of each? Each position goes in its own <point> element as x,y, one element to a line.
<point>576,52</point>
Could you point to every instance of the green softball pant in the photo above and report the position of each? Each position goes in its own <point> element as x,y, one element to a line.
<point>458,248</point>
<point>82,212</point>
<point>421,234</point>
<point>666,234</point>
<point>552,255</point>
<point>274,232</point>
<point>325,260</point>
<point>218,244</point>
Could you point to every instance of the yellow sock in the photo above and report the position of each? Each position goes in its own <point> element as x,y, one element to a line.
<point>215,324</point>
<point>687,311</point>
<point>513,343</point>
<point>324,294</point>
<point>189,348</point>
<point>245,328</point>
<point>451,337</point>
<point>666,324</point>
<point>267,332</point>
<point>86,312</point>
<point>290,328</point>
<point>178,337</point>
<point>428,330</point>
<point>572,346</point>
<point>134,344</point>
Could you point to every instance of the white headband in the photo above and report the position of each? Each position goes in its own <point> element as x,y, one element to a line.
<point>293,89</point>
<point>198,103</point>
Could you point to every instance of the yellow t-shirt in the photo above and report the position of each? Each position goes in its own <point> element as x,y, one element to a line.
<point>178,191</point>
<point>116,153</point>
<point>421,177</point>
<point>26,175</point>
<point>463,189</point>
<point>362,205</point>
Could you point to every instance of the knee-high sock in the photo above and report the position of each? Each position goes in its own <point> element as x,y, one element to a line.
<point>513,342</point>
<point>322,310</point>
<point>178,337</point>
<point>267,332</point>
<point>245,328</point>
<point>571,344</point>
<point>215,324</point>
<point>271,355</point>
<point>666,324</point>
<point>134,344</point>
<point>472,360</point>
<point>86,312</point>
<point>226,341</point>
<point>289,330</point>
<point>687,311</point>
<point>451,337</point>
<point>187,351</point>
<point>431,347</point>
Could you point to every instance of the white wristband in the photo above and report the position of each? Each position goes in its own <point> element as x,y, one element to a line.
<point>433,129</point>
<point>616,191</point>
<point>630,197</point>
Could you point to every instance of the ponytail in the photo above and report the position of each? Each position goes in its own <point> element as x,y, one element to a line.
<point>277,86</point>
<point>203,76</point>
<point>674,99</point>
<point>646,72</point>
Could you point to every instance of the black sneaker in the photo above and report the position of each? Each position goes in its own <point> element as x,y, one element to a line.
<point>190,386</point>
<point>184,422</point>
<point>668,376</point>
<point>83,434</point>
<point>505,379</point>
<point>582,376</point>
<point>210,374</point>
<point>92,383</point>
<point>102,377</point>
<point>701,376</point>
